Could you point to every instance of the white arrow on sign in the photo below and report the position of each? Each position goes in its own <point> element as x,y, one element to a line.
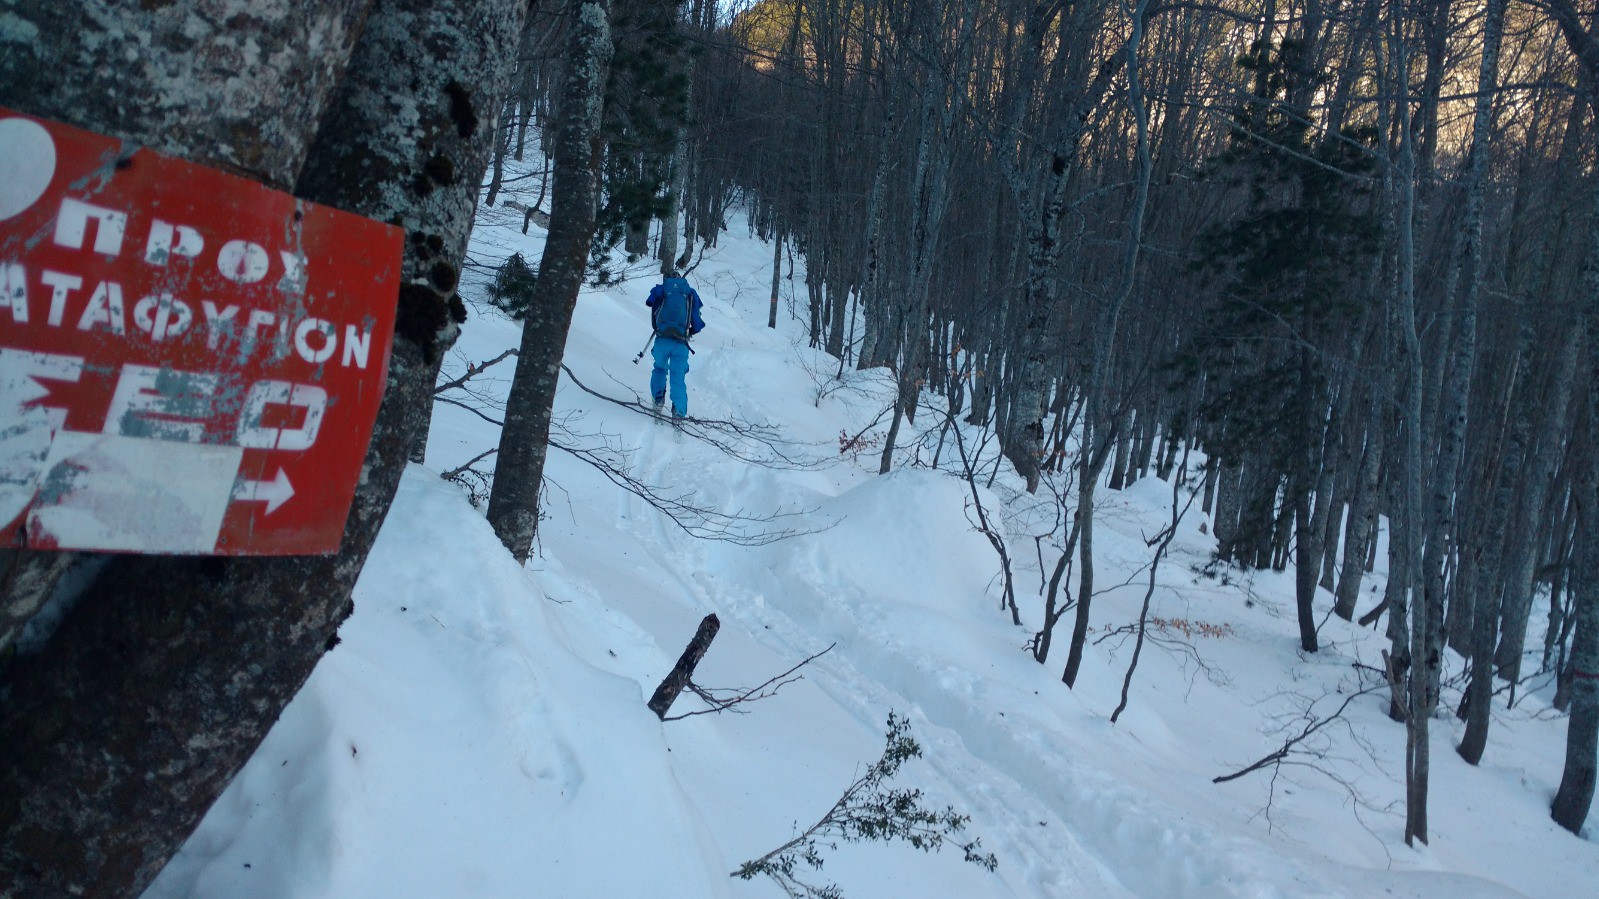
<point>274,493</point>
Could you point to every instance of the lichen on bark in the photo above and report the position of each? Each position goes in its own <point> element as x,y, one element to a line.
<point>171,689</point>
<point>237,84</point>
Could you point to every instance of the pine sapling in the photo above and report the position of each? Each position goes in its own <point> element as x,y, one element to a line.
<point>868,810</point>
<point>512,289</point>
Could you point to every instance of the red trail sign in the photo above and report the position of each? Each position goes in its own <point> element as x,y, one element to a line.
<point>189,362</point>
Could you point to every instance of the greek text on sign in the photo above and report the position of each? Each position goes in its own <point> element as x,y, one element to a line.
<point>189,362</point>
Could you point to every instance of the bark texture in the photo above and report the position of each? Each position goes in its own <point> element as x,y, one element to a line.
<point>683,672</point>
<point>236,84</point>
<point>129,723</point>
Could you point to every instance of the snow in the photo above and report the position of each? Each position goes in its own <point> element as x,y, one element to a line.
<point>481,729</point>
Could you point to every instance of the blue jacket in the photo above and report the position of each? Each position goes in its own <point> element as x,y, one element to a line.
<point>657,293</point>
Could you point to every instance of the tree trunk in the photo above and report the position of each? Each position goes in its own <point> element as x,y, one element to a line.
<point>526,93</point>
<point>777,275</point>
<point>502,143</point>
<point>1575,795</point>
<point>838,290</point>
<point>813,293</point>
<point>1548,447</point>
<point>1022,441</point>
<point>259,126</point>
<point>1307,544</point>
<point>866,282</point>
<point>930,186</point>
<point>170,691</point>
<point>983,375</point>
<point>519,473</point>
<point>1442,526</point>
<point>1411,626</point>
<point>1336,461</point>
<point>1224,521</point>
<point>201,99</point>
<point>1306,567</point>
<point>1329,533</point>
<point>1283,530</point>
<point>1521,583</point>
<point>1088,475</point>
<point>1362,526</point>
<point>837,324</point>
<point>1170,442</point>
<point>1485,588</point>
<point>1145,449</point>
<point>1561,615</point>
<point>1212,493</point>
<point>1124,449</point>
<point>1096,446</point>
<point>667,252</point>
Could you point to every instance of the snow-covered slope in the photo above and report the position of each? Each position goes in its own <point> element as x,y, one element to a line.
<point>481,729</point>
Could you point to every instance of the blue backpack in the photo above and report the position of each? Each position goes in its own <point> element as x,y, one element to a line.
<point>675,313</point>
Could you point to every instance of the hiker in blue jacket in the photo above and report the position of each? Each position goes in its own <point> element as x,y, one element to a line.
<point>675,315</point>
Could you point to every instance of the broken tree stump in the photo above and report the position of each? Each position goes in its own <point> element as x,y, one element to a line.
<point>666,693</point>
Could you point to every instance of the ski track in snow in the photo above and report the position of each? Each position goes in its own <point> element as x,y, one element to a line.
<point>481,732</point>
<point>1104,844</point>
<point>983,764</point>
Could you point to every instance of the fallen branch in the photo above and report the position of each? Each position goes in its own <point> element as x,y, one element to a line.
<point>721,700</point>
<point>1313,725</point>
<point>704,522</point>
<point>732,438</point>
<point>683,671</point>
<point>475,482</point>
<point>454,473</point>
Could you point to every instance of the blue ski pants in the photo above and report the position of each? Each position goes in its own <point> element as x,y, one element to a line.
<point>671,365</point>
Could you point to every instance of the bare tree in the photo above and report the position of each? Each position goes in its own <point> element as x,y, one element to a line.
<point>1411,634</point>
<point>514,500</point>
<point>1575,795</point>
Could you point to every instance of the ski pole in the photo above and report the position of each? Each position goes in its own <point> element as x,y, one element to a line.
<point>646,348</point>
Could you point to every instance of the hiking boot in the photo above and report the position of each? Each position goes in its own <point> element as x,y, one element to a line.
<point>658,402</point>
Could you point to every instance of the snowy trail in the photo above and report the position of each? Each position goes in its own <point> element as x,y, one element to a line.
<point>1049,858</point>
<point>984,763</point>
<point>481,730</point>
<point>1112,838</point>
<point>998,762</point>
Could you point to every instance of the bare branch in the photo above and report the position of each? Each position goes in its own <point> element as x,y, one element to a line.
<point>722,700</point>
<point>472,409</point>
<point>1165,538</point>
<point>1312,725</point>
<point>454,472</point>
<point>732,438</point>
<point>472,371</point>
